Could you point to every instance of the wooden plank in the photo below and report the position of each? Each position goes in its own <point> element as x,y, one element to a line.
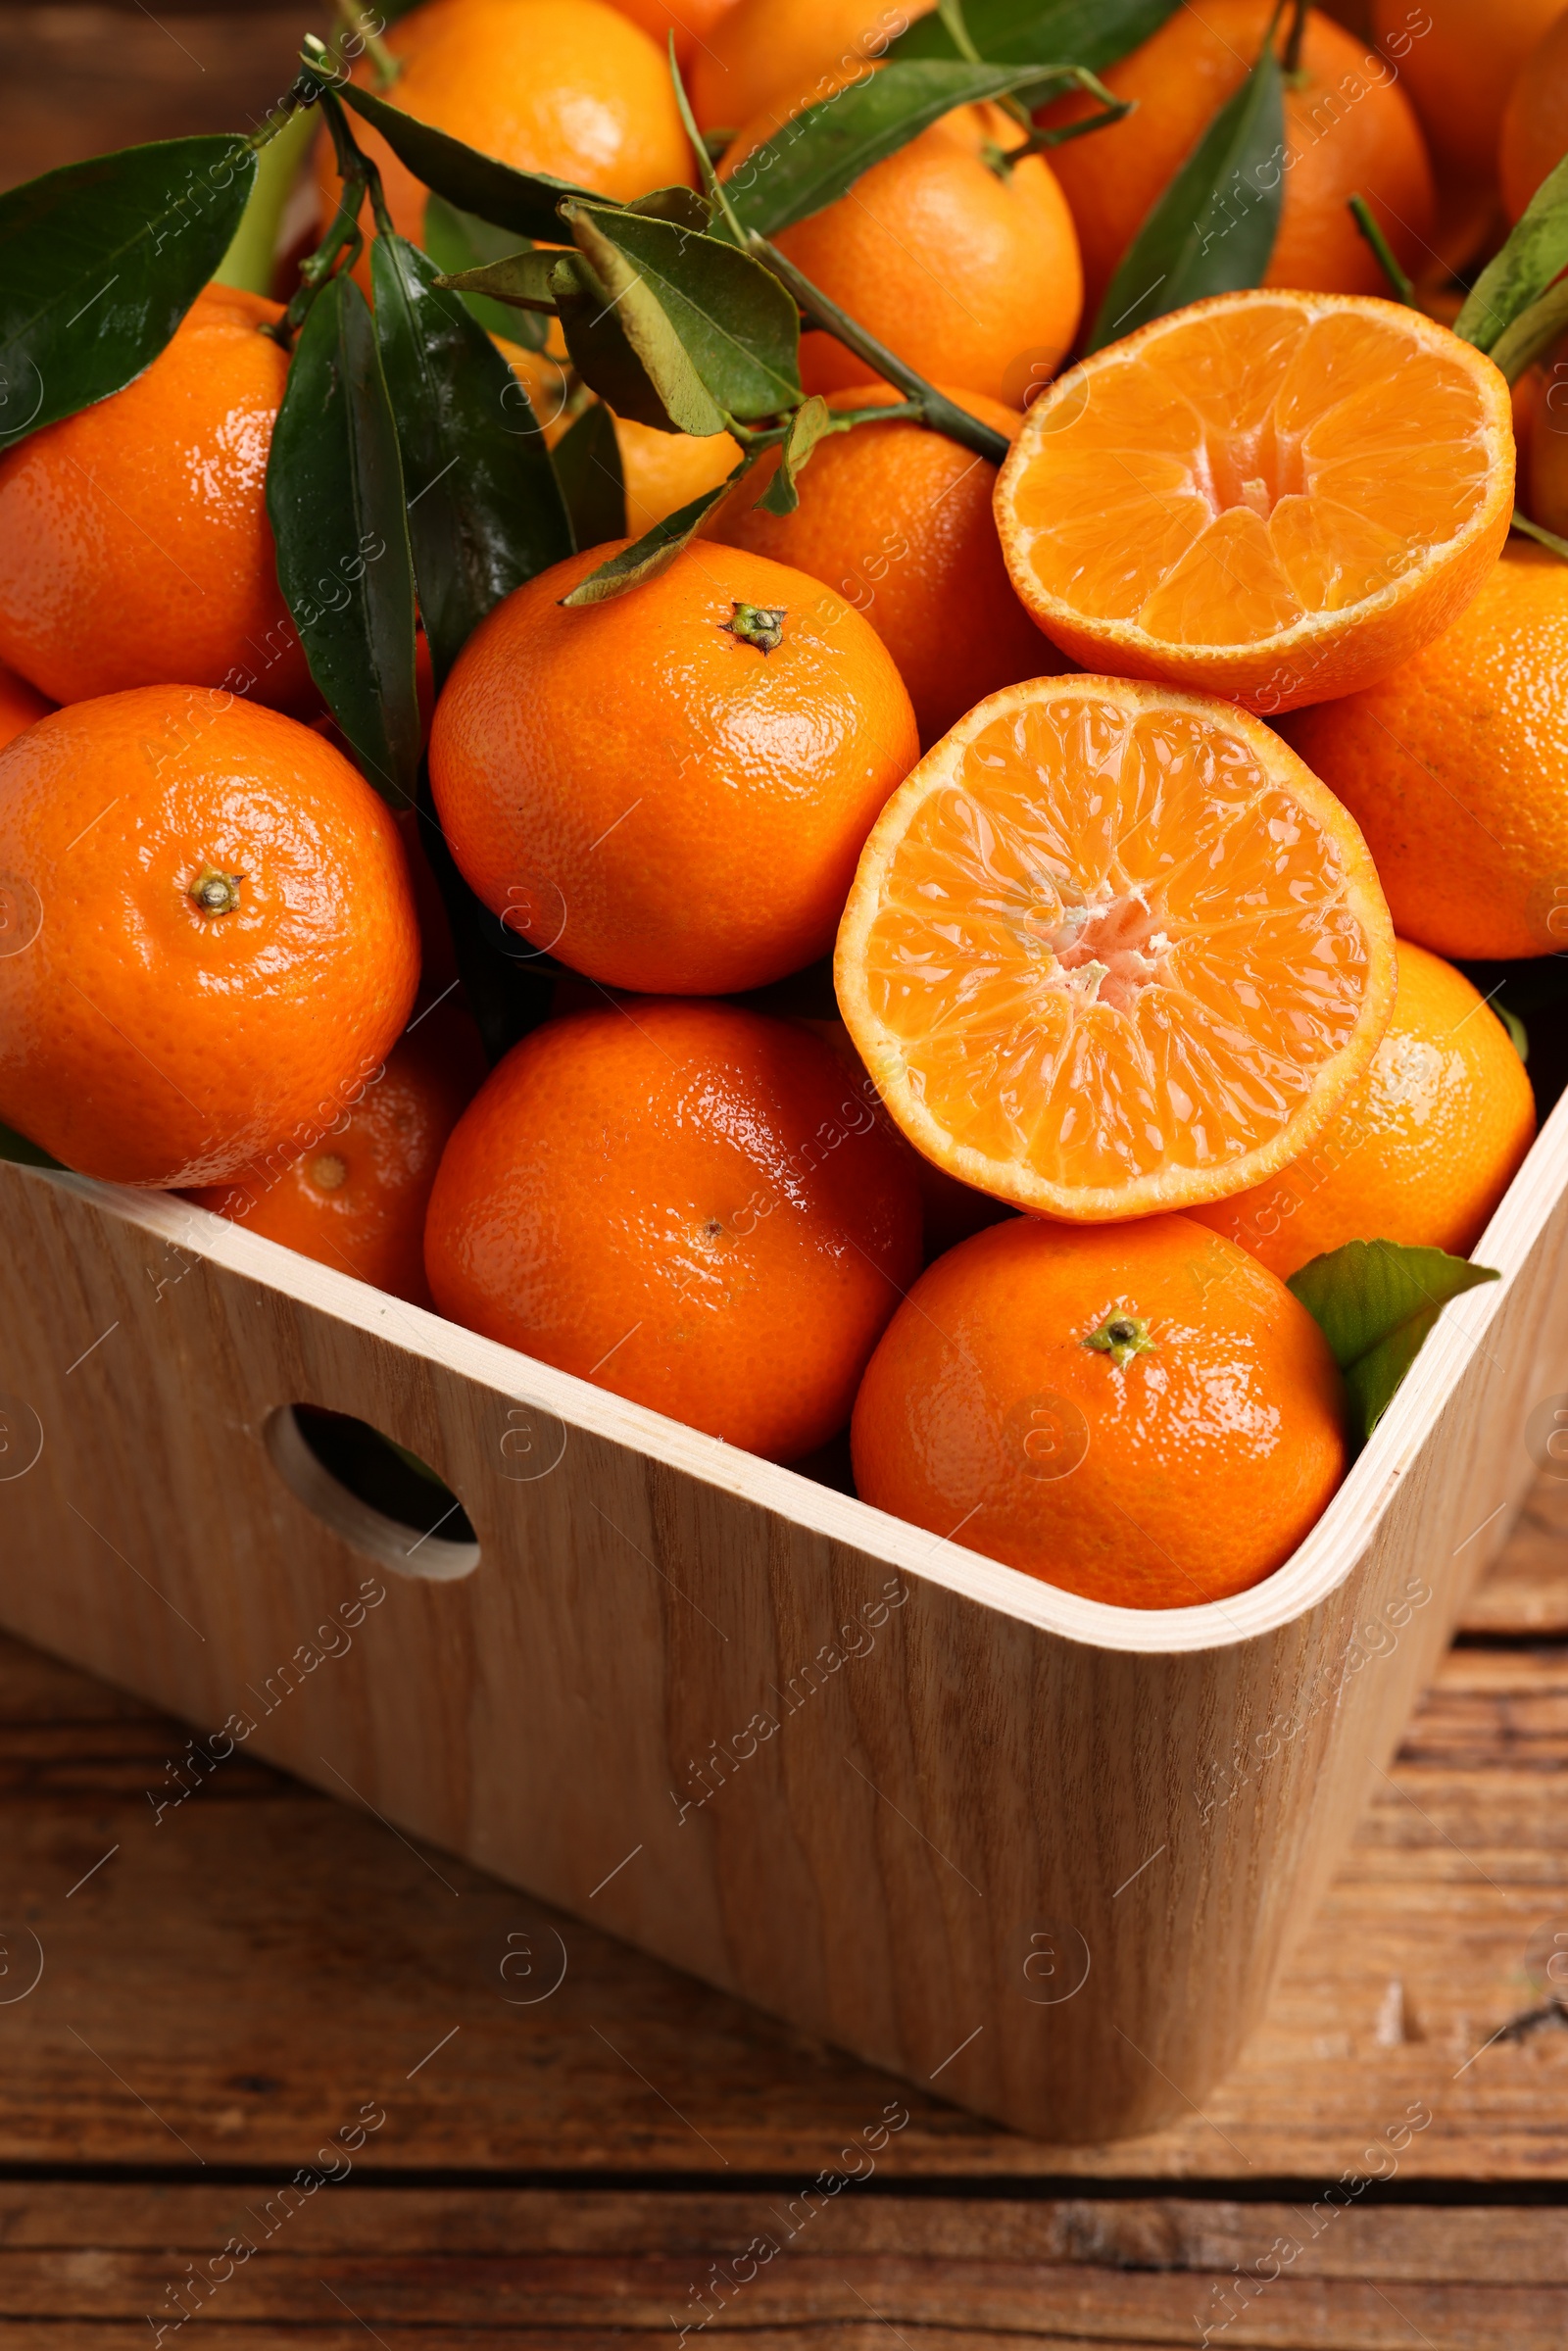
<point>1528,1590</point>
<point>549,2267</point>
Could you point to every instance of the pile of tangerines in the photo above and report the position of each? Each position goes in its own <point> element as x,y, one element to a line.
<point>1146,790</point>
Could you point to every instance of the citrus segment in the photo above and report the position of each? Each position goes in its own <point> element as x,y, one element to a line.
<point>1112,949</point>
<point>1275,496</point>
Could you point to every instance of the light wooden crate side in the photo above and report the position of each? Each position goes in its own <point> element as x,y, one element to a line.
<point>931,1826</point>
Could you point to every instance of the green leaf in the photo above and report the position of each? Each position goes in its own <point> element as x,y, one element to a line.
<point>1213,229</point>
<point>1375,1302</point>
<point>811,420</point>
<point>1089,32</point>
<point>16,1148</point>
<point>1534,255</point>
<point>816,157</point>
<point>658,549</point>
<point>522,201</point>
<point>1518,1034</point>
<point>1532,333</point>
<point>335,498</point>
<point>99,263</point>
<point>598,346</point>
<point>716,334</point>
<point>518,281</point>
<point>682,206</point>
<point>592,482</point>
<point>485,511</point>
<point>457,242</point>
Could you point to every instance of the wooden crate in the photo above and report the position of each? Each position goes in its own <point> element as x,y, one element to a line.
<point>1043,1856</point>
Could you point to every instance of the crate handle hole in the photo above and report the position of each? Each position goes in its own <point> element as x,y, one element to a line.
<point>373,1495</point>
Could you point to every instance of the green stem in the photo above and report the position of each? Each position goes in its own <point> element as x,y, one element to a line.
<point>248,262</point>
<point>1542,538</point>
<point>1361,212</point>
<point>1291,61</point>
<point>942,414</point>
<point>351,19</point>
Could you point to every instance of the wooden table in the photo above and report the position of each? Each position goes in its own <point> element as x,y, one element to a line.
<point>259,1974</point>
<point>230,1987</point>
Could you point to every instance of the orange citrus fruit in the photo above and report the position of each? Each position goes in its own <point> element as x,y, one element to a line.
<point>692,21</point>
<point>1420,1152</point>
<point>571,87</point>
<point>1453,768</point>
<point>899,520</point>
<point>356,1199</point>
<point>1349,130</point>
<point>1540,427</point>
<point>688,1205</point>
<point>1277,497</point>
<point>669,790</point>
<point>134,545</point>
<point>1095,1408</point>
<point>1111,948</point>
<point>19,705</point>
<point>1458,58</point>
<point>1534,138</point>
<point>967,270</point>
<point>759,55</point>
<point>213,936</point>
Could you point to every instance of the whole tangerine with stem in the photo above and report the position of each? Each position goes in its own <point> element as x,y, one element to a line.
<point>357,1197</point>
<point>134,544</point>
<point>1454,766</point>
<point>899,519</point>
<point>690,1205</point>
<point>963,263</point>
<point>1349,130</point>
<point>1139,1413</point>
<point>1420,1152</point>
<point>669,790</point>
<point>215,939</point>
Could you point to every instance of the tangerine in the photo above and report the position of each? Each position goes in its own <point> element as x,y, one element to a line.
<point>669,790</point>
<point>1460,58</point>
<point>570,87</point>
<point>1420,1152</point>
<point>215,940</point>
<point>759,55</point>
<point>1453,768</point>
<point>962,264</point>
<point>1095,1409</point>
<point>356,1199</point>
<point>899,519</point>
<point>1349,130</point>
<point>1534,135</point>
<point>1272,496</point>
<point>688,1205</point>
<point>1111,948</point>
<point>134,544</point>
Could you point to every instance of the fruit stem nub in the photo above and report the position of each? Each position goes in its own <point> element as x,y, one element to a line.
<point>1120,1337</point>
<point>215,892</point>
<point>758,624</point>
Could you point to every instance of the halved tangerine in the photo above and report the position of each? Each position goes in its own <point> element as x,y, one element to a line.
<point>1112,949</point>
<point>1273,496</point>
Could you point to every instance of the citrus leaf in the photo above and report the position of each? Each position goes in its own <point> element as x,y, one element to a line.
<point>1213,229</point>
<point>1532,334</point>
<point>1089,32</point>
<point>522,201</point>
<point>1534,256</point>
<point>816,157</point>
<point>716,332</point>
<point>811,420</point>
<point>656,549</point>
<point>485,511</point>
<point>516,281</point>
<point>683,205</point>
<point>597,343</point>
<point>335,499</point>
<point>1375,1302</point>
<point>459,241</point>
<point>592,482</point>
<point>99,263</point>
